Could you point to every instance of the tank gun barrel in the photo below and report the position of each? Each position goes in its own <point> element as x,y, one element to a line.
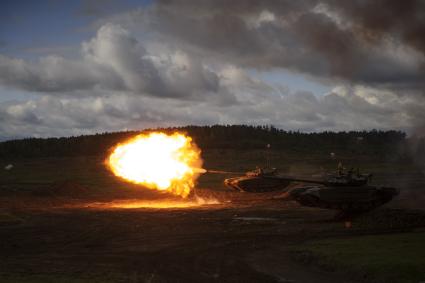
<point>224,172</point>
<point>203,171</point>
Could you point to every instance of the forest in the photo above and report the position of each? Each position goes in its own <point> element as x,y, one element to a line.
<point>237,137</point>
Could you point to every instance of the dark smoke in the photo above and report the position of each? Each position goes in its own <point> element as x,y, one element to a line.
<point>417,147</point>
<point>412,184</point>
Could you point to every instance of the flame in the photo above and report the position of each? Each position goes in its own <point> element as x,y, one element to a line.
<point>158,161</point>
<point>165,203</point>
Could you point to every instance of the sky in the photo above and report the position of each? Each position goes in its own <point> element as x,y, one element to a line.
<point>88,66</point>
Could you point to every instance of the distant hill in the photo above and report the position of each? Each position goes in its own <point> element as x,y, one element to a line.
<point>377,143</point>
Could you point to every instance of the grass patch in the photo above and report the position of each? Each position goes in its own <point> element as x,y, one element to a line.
<point>382,258</point>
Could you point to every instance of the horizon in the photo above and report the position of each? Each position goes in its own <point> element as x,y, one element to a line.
<point>177,128</point>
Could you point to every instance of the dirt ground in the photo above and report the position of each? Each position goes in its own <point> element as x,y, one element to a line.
<point>244,239</point>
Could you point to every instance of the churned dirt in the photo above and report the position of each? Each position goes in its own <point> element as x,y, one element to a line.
<point>219,237</point>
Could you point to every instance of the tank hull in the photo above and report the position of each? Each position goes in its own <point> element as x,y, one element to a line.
<point>350,198</point>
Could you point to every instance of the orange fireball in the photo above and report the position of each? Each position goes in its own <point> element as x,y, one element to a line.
<point>159,161</point>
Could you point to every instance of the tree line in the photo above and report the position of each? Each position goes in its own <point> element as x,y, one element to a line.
<point>218,137</point>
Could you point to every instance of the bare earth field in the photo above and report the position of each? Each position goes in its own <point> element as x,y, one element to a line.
<point>68,220</point>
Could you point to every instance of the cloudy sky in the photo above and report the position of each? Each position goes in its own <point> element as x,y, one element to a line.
<point>78,67</point>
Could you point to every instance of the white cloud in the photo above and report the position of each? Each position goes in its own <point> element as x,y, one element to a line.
<point>113,60</point>
<point>344,109</point>
<point>265,16</point>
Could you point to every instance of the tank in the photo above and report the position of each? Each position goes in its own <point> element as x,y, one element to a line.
<point>260,180</point>
<point>268,179</point>
<point>346,191</point>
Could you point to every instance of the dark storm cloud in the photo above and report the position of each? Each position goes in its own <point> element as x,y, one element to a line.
<point>404,19</point>
<point>359,41</point>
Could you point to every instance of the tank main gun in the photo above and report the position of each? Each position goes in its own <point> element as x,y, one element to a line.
<point>260,180</point>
